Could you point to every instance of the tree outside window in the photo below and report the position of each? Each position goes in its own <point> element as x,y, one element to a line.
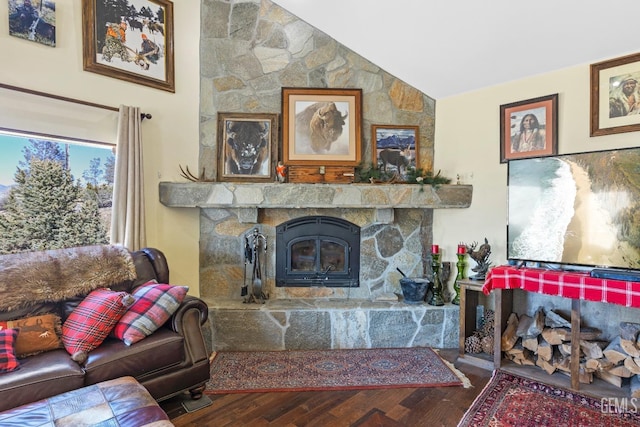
<point>59,195</point>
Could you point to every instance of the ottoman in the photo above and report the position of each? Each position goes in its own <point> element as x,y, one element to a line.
<point>120,402</point>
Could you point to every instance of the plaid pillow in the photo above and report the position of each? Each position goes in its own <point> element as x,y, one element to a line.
<point>155,303</point>
<point>92,320</point>
<point>8,360</point>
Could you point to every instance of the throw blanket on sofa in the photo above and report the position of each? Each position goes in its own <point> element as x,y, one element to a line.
<point>59,274</point>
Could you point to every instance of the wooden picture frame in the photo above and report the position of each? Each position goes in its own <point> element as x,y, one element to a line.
<point>615,95</point>
<point>144,38</point>
<point>395,148</point>
<point>529,128</point>
<point>321,127</point>
<point>247,146</point>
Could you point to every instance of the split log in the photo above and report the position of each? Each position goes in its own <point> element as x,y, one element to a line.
<point>509,337</point>
<point>562,363</point>
<point>553,335</point>
<point>592,349</point>
<point>524,323</point>
<point>631,365</point>
<point>565,349</point>
<point>614,351</point>
<point>610,378</point>
<point>517,349</point>
<point>628,338</point>
<point>599,364</point>
<point>620,371</point>
<point>554,320</point>
<point>548,367</point>
<point>545,350</point>
<point>531,343</point>
<point>584,377</point>
<point>635,386</point>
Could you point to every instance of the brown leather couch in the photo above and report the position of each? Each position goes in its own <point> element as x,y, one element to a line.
<point>171,361</point>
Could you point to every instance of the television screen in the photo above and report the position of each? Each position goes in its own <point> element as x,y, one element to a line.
<point>578,209</point>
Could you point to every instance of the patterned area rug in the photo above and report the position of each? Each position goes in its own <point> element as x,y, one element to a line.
<point>511,400</point>
<point>304,370</point>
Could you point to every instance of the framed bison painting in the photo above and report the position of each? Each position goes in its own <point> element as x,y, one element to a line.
<point>395,149</point>
<point>321,127</point>
<point>247,146</point>
<point>130,40</point>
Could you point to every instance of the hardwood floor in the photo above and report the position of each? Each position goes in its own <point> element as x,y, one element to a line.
<point>430,407</point>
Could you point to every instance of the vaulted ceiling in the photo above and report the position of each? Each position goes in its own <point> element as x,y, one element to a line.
<point>450,47</point>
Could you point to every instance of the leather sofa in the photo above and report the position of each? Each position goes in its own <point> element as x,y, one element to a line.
<point>172,360</point>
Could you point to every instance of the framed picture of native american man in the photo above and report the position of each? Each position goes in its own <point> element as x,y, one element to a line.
<point>529,128</point>
<point>321,127</point>
<point>247,146</point>
<point>615,95</point>
<point>131,40</point>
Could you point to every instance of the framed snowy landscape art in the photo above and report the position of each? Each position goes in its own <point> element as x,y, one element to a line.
<point>130,40</point>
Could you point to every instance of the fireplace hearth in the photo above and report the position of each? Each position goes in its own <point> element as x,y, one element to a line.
<point>318,251</point>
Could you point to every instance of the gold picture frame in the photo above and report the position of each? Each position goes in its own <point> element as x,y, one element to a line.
<point>612,109</point>
<point>137,48</point>
<point>247,146</point>
<point>321,127</point>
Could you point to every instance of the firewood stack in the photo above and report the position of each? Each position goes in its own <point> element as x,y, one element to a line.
<point>481,340</point>
<point>544,340</point>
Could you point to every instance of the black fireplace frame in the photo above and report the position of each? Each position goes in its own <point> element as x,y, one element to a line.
<point>318,228</point>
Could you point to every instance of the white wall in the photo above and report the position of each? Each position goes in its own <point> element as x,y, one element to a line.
<point>170,138</point>
<point>467,142</point>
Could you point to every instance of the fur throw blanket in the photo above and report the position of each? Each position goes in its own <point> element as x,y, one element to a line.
<point>55,275</point>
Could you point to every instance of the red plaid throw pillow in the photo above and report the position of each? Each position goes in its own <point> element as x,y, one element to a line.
<point>155,303</point>
<point>8,360</point>
<point>92,320</point>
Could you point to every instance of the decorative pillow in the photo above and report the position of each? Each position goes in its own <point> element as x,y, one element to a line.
<point>8,360</point>
<point>155,303</point>
<point>92,320</point>
<point>36,334</point>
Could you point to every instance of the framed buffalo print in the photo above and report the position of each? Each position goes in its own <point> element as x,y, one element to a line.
<point>130,40</point>
<point>321,126</point>
<point>247,146</point>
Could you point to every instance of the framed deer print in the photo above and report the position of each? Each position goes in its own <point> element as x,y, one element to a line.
<point>395,149</point>
<point>321,127</point>
<point>130,40</point>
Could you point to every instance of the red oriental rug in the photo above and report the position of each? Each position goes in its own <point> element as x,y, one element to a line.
<point>511,400</point>
<point>304,370</point>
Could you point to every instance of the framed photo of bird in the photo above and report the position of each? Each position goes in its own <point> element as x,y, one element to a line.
<point>130,40</point>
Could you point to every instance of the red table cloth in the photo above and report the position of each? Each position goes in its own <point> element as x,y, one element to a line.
<point>575,285</point>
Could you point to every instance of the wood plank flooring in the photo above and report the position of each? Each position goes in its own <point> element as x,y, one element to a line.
<point>429,407</point>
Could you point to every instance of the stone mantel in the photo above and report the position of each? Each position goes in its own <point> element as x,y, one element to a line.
<point>278,196</point>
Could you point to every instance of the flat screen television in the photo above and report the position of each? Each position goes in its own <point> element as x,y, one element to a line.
<point>576,210</point>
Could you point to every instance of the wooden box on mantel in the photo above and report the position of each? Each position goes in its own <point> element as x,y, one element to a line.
<point>320,174</point>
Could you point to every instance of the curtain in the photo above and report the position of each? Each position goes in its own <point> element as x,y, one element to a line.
<point>127,220</point>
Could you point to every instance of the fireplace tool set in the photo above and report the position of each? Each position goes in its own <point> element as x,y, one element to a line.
<point>255,250</point>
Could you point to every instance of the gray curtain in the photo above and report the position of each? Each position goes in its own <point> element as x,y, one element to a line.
<point>127,219</point>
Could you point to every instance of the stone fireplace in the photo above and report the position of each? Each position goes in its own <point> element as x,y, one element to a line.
<point>394,224</point>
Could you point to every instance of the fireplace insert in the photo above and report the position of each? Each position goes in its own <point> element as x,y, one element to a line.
<point>318,251</point>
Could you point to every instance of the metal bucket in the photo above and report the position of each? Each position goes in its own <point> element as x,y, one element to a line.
<point>414,289</point>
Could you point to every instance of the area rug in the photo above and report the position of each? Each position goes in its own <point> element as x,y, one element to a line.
<point>304,370</point>
<point>511,400</point>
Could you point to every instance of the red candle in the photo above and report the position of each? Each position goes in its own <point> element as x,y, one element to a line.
<point>462,249</point>
<point>435,249</point>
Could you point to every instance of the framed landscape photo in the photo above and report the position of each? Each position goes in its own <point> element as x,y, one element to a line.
<point>529,128</point>
<point>247,146</point>
<point>615,96</point>
<point>132,43</point>
<point>321,126</point>
<point>395,148</point>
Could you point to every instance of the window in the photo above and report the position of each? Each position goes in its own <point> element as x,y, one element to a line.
<point>54,192</point>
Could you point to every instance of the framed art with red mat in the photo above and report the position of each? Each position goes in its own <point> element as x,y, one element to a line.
<point>511,400</point>
<point>344,369</point>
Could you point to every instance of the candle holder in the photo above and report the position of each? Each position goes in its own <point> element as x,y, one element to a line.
<point>437,298</point>
<point>456,285</point>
